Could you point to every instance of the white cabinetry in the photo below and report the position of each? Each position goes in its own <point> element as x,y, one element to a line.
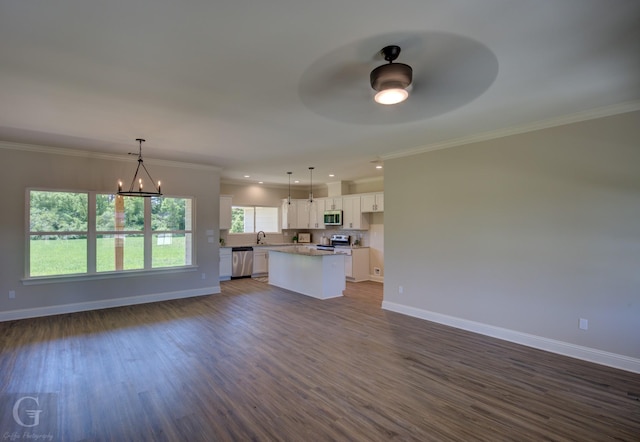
<point>302,214</point>
<point>260,261</point>
<point>225,212</point>
<point>356,265</point>
<point>225,263</point>
<point>372,202</point>
<point>316,216</point>
<point>352,214</point>
<point>289,215</point>
<point>309,215</point>
<point>333,203</point>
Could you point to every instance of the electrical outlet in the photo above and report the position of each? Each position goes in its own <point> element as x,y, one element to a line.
<point>204,276</point>
<point>12,294</point>
<point>584,324</point>
<point>401,290</point>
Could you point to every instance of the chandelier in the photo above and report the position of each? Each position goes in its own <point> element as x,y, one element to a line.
<point>155,191</point>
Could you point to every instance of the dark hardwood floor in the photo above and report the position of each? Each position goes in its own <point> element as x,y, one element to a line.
<point>261,363</point>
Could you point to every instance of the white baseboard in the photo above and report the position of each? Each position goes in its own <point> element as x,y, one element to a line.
<point>375,278</point>
<point>563,348</point>
<point>105,303</point>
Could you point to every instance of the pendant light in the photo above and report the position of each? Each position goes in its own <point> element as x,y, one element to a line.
<point>155,191</point>
<point>311,185</point>
<point>289,197</point>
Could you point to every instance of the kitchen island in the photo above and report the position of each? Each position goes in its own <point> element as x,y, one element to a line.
<point>308,271</point>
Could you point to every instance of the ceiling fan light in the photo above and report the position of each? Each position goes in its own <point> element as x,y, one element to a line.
<point>391,96</point>
<point>391,80</point>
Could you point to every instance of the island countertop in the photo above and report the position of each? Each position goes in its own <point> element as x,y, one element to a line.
<point>301,250</point>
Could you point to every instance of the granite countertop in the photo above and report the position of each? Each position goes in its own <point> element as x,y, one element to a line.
<point>290,244</point>
<point>259,245</point>
<point>302,250</point>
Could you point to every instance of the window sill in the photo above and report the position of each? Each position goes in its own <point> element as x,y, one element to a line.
<point>106,275</point>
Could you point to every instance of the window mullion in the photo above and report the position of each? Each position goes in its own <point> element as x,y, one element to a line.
<point>91,234</point>
<point>148,235</point>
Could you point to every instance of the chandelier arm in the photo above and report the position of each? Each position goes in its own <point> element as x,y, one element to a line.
<point>149,175</point>
<point>135,176</point>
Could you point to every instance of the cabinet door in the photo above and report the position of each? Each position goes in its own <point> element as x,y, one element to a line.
<point>225,264</point>
<point>348,266</point>
<point>372,203</point>
<point>360,264</point>
<point>333,203</point>
<point>289,215</point>
<point>316,216</point>
<point>379,202</point>
<point>260,261</point>
<point>225,212</point>
<point>352,214</point>
<point>302,214</point>
<point>368,203</point>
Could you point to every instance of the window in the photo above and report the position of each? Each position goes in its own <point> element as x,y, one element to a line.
<point>58,230</point>
<point>247,219</point>
<point>86,232</point>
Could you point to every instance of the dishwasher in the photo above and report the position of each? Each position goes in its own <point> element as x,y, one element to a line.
<point>242,262</point>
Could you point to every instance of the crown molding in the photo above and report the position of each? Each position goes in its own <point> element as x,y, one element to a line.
<point>101,156</point>
<point>601,112</point>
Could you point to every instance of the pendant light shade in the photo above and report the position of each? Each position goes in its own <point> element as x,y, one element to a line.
<point>137,180</point>
<point>391,80</point>
<point>289,197</point>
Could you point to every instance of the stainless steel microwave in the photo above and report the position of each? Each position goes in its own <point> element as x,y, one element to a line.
<point>333,218</point>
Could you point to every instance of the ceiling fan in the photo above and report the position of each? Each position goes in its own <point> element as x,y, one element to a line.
<point>443,71</point>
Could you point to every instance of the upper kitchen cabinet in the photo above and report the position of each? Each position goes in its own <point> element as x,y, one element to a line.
<point>310,215</point>
<point>289,214</point>
<point>352,213</point>
<point>373,202</point>
<point>225,212</point>
<point>333,203</point>
<point>302,214</point>
<point>316,216</point>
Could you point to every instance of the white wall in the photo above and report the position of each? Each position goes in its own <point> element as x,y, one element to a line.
<point>523,236</point>
<point>259,195</point>
<point>30,166</point>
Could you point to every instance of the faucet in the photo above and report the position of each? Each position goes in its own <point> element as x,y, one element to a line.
<point>264,236</point>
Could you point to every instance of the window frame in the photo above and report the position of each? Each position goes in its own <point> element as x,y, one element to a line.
<point>147,232</point>
<point>254,207</point>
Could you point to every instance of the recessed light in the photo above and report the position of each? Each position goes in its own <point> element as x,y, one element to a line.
<point>378,166</point>
<point>247,176</point>
<point>331,175</point>
<point>260,182</point>
<point>296,181</point>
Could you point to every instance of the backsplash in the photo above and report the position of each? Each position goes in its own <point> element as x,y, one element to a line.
<point>245,239</point>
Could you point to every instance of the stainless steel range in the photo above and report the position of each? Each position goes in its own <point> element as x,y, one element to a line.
<point>336,240</point>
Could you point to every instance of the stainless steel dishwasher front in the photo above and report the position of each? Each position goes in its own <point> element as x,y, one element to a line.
<point>242,262</point>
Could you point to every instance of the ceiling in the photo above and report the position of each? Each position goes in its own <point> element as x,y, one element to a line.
<point>261,88</point>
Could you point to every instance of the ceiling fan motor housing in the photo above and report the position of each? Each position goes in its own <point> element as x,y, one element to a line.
<point>392,75</point>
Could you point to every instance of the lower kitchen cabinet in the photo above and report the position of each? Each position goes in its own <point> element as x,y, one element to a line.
<point>225,263</point>
<point>356,265</point>
<point>260,262</point>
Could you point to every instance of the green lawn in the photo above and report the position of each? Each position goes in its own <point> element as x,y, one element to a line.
<point>69,256</point>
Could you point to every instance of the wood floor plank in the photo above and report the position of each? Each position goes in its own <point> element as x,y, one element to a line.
<point>261,363</point>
